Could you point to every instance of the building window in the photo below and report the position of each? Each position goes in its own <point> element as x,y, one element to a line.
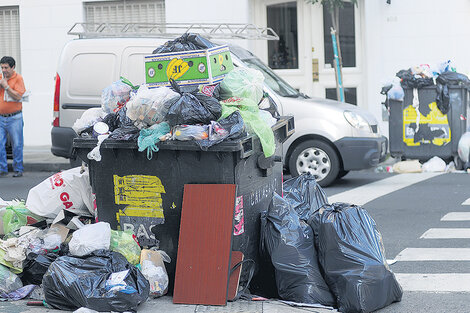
<point>283,53</point>
<point>349,95</point>
<point>10,34</point>
<point>125,11</point>
<point>347,37</point>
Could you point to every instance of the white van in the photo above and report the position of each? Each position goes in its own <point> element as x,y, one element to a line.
<point>331,138</point>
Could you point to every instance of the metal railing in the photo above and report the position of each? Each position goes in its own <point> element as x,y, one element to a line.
<point>172,30</point>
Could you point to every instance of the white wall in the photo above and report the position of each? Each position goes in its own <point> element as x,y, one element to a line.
<point>407,33</point>
<point>43,31</point>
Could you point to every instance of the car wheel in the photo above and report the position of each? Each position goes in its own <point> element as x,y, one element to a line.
<point>75,162</point>
<point>317,158</point>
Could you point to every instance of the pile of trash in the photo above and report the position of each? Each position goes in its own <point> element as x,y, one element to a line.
<point>53,250</point>
<point>205,114</point>
<point>328,254</point>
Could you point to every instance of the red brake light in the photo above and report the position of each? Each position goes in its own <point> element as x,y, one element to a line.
<point>56,101</point>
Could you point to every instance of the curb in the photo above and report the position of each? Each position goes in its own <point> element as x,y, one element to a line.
<point>43,167</point>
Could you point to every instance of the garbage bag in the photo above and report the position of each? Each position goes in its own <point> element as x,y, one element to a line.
<point>150,106</point>
<point>192,107</point>
<point>89,238</point>
<point>289,242</point>
<point>253,121</point>
<point>115,96</point>
<point>229,128</point>
<point>304,195</point>
<point>149,137</point>
<point>187,41</point>
<point>408,80</point>
<point>17,215</point>
<point>126,244</point>
<point>463,148</point>
<point>103,281</point>
<point>243,82</point>
<point>69,190</point>
<point>435,164</point>
<point>89,118</point>
<point>190,132</point>
<point>352,256</point>
<point>154,270</point>
<point>8,281</point>
<point>442,82</point>
<point>125,133</point>
<point>35,266</point>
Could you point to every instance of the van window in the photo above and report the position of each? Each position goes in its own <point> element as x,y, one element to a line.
<point>90,73</point>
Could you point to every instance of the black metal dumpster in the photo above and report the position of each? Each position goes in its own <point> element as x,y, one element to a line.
<point>145,196</point>
<point>434,133</point>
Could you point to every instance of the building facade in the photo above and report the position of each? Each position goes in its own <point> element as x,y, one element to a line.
<point>378,38</point>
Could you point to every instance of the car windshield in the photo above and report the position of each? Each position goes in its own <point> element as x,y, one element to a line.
<point>271,79</point>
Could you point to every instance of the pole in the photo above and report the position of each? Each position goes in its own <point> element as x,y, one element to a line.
<point>339,79</point>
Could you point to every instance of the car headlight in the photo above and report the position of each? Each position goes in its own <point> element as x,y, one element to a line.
<point>357,121</point>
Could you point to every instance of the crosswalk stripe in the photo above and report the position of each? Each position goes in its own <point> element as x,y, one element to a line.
<point>466,202</point>
<point>450,282</point>
<point>446,233</point>
<point>362,195</point>
<point>434,254</point>
<point>456,216</point>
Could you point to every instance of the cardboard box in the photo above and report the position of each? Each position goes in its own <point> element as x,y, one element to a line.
<point>194,67</point>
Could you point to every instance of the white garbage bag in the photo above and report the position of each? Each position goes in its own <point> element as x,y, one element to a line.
<point>90,238</point>
<point>435,164</point>
<point>69,190</point>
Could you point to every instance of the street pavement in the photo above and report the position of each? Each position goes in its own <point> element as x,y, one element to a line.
<point>424,220</point>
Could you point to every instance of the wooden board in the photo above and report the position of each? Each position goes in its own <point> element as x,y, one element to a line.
<point>205,244</point>
<point>234,280</point>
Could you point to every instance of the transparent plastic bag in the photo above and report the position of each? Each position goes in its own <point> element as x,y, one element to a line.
<point>243,82</point>
<point>8,281</point>
<point>126,244</point>
<point>190,132</point>
<point>150,106</point>
<point>115,96</point>
<point>154,270</point>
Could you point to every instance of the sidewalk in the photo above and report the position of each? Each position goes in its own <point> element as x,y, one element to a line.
<point>41,159</point>
<point>165,304</point>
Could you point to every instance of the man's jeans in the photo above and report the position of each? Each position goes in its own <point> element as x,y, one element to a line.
<point>12,125</point>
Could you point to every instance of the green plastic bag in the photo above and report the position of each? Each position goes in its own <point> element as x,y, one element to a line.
<point>124,243</point>
<point>243,82</point>
<point>250,113</point>
<point>17,215</point>
<point>149,137</point>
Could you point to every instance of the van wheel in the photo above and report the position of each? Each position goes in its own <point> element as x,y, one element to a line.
<point>75,162</point>
<point>317,158</point>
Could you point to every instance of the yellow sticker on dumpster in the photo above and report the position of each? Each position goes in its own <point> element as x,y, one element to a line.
<point>432,128</point>
<point>142,194</point>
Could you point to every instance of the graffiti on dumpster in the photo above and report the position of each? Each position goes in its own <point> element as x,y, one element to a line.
<point>432,128</point>
<point>263,192</point>
<point>144,210</point>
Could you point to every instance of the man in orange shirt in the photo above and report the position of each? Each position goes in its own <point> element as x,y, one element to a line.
<point>11,116</point>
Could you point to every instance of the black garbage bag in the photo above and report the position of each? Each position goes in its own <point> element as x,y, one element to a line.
<point>125,132</point>
<point>408,80</point>
<point>289,242</point>
<point>186,42</point>
<point>352,256</point>
<point>232,126</point>
<point>193,107</point>
<point>304,195</point>
<point>442,82</point>
<point>92,281</point>
<point>35,266</point>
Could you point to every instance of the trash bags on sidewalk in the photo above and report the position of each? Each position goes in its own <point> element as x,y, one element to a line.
<point>352,256</point>
<point>102,281</point>
<point>289,242</point>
